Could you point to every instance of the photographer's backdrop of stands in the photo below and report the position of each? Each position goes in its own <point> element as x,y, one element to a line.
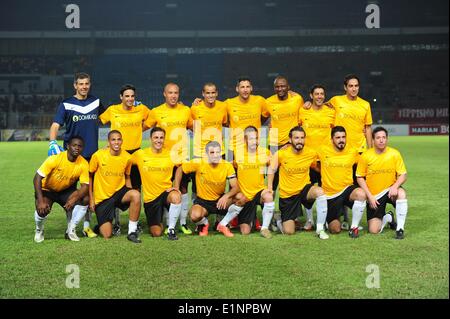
<point>403,63</point>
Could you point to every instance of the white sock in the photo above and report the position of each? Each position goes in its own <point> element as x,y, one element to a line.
<point>386,219</point>
<point>87,220</point>
<point>357,212</point>
<point>267,214</point>
<point>78,214</point>
<point>203,221</point>
<point>401,210</point>
<point>132,226</point>
<point>39,221</point>
<point>309,215</point>
<point>322,211</point>
<point>233,211</point>
<point>174,213</point>
<point>184,208</point>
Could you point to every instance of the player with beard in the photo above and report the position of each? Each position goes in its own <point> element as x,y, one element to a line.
<point>295,185</point>
<point>336,167</point>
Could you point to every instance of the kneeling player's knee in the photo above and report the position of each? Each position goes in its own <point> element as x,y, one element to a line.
<point>374,229</point>
<point>85,201</point>
<point>401,194</point>
<point>156,232</point>
<point>318,191</point>
<point>360,195</point>
<point>289,231</point>
<point>245,229</point>
<point>267,197</point>
<point>335,228</point>
<point>175,198</point>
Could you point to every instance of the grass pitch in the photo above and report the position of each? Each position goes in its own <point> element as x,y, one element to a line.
<point>298,266</point>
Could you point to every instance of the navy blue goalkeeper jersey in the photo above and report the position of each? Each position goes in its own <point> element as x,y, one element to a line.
<point>80,117</point>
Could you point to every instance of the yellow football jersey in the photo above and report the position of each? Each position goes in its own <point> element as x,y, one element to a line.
<point>59,173</point>
<point>109,172</point>
<point>283,116</point>
<point>208,125</point>
<point>127,122</point>
<point>336,168</point>
<point>210,180</point>
<point>156,172</point>
<point>380,170</point>
<point>174,120</point>
<point>241,115</point>
<point>317,125</point>
<point>251,170</point>
<point>294,170</point>
<point>353,116</point>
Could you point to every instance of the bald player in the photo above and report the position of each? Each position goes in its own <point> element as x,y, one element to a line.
<point>175,118</point>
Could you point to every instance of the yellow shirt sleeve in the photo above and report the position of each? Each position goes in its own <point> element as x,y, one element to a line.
<point>48,166</point>
<point>189,167</point>
<point>230,171</point>
<point>93,163</point>
<point>361,168</point>
<point>400,167</point>
<point>151,119</point>
<point>84,177</point>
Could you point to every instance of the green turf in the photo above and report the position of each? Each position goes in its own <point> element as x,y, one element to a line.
<point>299,266</point>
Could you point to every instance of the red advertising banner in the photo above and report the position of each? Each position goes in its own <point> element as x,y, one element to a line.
<point>428,129</point>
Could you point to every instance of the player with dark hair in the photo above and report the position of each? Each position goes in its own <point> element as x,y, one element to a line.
<point>317,119</point>
<point>381,172</point>
<point>110,187</point>
<point>56,181</point>
<point>79,115</point>
<point>156,167</point>
<point>127,117</point>
<point>336,168</point>
<point>295,185</point>
<point>211,176</point>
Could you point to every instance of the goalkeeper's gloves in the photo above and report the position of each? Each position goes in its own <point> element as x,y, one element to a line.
<point>54,148</point>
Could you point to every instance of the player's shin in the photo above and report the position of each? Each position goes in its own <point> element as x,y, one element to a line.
<point>357,212</point>
<point>184,209</point>
<point>233,211</point>
<point>78,213</point>
<point>401,210</point>
<point>39,221</point>
<point>174,213</point>
<point>322,211</point>
<point>267,214</point>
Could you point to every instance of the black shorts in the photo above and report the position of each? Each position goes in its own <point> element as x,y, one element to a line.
<point>291,207</point>
<point>315,177</point>
<point>154,210</point>
<point>135,177</point>
<point>210,206</point>
<point>381,209</point>
<point>336,204</point>
<point>248,213</point>
<point>60,197</point>
<point>105,210</point>
<point>185,179</point>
